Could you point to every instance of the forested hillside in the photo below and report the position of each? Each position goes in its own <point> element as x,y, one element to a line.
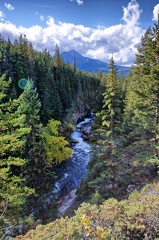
<point>38,93</point>
<point>125,144</point>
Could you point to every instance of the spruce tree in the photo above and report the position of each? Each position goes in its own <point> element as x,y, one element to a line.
<point>142,100</point>
<point>13,192</point>
<point>35,171</point>
<point>106,166</point>
<point>112,107</point>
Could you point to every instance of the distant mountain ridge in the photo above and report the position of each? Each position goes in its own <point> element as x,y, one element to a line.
<point>89,64</point>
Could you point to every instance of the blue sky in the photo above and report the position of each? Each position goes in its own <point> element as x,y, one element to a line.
<point>94,28</point>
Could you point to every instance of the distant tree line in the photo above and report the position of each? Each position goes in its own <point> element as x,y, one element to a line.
<point>57,83</point>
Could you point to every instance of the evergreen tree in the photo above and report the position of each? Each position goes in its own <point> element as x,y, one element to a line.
<point>142,103</point>
<point>36,172</point>
<point>57,57</point>
<point>74,65</point>
<point>47,87</point>
<point>13,191</point>
<point>112,107</point>
<point>106,171</point>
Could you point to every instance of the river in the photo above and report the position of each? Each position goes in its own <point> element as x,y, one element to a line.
<point>75,168</point>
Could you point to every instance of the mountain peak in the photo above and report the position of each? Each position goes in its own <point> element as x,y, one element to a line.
<point>74,52</point>
<point>89,64</point>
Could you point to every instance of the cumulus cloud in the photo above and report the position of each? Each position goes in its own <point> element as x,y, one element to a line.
<point>121,40</point>
<point>155,12</point>
<point>131,13</point>
<point>9,6</point>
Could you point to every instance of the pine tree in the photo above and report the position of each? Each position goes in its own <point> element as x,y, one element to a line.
<point>36,172</point>
<point>74,65</point>
<point>48,88</point>
<point>142,103</point>
<point>112,107</point>
<point>13,191</point>
<point>107,168</point>
<point>57,57</point>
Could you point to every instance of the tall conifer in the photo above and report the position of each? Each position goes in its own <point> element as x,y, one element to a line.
<point>35,171</point>
<point>142,103</point>
<point>111,112</point>
<point>13,192</point>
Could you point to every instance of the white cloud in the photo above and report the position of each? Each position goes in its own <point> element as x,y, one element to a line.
<point>9,6</point>
<point>131,13</point>
<point>155,12</point>
<point>79,2</point>
<point>2,16</point>
<point>42,18</point>
<point>121,40</point>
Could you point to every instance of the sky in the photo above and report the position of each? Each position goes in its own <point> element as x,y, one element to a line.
<point>95,28</point>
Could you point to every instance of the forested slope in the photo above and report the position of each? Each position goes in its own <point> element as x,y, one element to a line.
<point>37,91</point>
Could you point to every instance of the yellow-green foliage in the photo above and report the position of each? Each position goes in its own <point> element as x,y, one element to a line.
<point>135,218</point>
<point>55,146</point>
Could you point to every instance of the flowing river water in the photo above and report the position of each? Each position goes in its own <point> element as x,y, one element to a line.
<point>75,168</point>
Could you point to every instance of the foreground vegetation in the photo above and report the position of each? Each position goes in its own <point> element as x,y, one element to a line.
<point>135,218</point>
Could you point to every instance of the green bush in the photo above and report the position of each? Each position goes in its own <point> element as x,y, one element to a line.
<point>135,218</point>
